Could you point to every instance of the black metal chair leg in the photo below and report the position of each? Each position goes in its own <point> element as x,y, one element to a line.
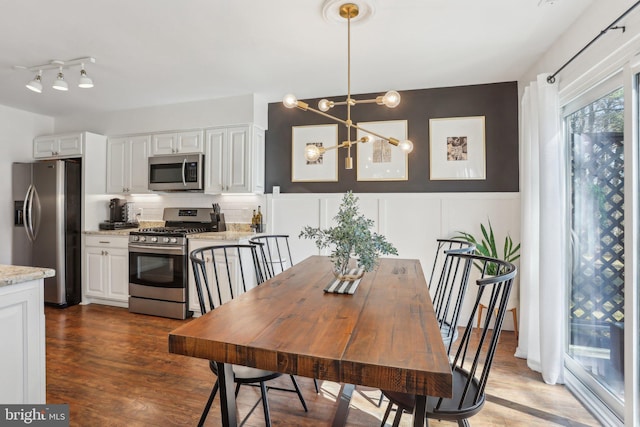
<point>265,404</point>
<point>315,383</point>
<point>386,414</point>
<point>396,420</point>
<point>238,388</point>
<point>207,407</point>
<point>464,423</point>
<point>381,399</point>
<point>295,384</point>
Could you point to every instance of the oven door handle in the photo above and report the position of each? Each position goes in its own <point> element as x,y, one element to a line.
<point>160,250</point>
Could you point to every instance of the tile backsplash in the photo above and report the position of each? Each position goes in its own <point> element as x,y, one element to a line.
<point>236,208</point>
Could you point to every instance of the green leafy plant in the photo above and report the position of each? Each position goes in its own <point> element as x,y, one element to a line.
<point>351,237</point>
<point>487,247</point>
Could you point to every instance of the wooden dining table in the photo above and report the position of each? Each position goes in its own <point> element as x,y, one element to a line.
<point>385,335</point>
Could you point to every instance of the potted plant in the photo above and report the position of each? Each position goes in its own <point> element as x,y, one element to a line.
<point>350,238</point>
<point>487,247</point>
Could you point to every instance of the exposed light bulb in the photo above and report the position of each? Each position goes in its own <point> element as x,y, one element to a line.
<point>312,152</point>
<point>60,84</point>
<point>391,99</point>
<point>290,100</point>
<point>36,84</point>
<point>325,105</point>
<point>406,146</point>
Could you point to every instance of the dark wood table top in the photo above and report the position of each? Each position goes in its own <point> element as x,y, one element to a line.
<point>385,335</point>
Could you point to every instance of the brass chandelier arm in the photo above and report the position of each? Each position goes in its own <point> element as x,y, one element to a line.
<point>391,141</point>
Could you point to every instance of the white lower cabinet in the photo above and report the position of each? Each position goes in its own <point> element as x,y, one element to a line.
<point>106,270</point>
<point>22,334</point>
<point>225,289</point>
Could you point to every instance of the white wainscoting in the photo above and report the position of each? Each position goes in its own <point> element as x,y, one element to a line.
<point>411,221</point>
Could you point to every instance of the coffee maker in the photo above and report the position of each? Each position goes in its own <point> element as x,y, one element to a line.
<point>120,212</point>
<point>116,210</point>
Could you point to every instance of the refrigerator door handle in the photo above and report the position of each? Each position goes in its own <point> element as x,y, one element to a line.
<point>28,217</point>
<point>36,213</point>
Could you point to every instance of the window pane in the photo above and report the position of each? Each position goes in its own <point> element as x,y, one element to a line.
<point>596,314</point>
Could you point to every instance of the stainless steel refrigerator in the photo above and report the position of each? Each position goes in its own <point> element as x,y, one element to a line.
<point>47,224</point>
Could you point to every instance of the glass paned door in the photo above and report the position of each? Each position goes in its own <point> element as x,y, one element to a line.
<point>596,306</point>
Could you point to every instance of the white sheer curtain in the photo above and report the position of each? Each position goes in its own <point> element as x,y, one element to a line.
<point>543,310</point>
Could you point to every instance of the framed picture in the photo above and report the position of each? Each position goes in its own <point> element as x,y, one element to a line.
<point>457,148</point>
<point>325,168</point>
<point>377,159</point>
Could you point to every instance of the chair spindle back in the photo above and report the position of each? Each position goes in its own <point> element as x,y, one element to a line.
<point>224,266</point>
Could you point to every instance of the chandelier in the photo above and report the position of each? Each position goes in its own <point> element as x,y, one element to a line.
<point>84,81</point>
<point>390,99</point>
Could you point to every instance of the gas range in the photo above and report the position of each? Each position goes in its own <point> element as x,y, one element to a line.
<point>164,235</point>
<point>179,223</point>
<point>158,263</point>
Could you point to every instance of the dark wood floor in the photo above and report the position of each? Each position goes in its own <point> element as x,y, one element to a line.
<point>113,369</point>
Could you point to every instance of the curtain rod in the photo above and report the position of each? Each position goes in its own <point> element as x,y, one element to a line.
<point>612,26</point>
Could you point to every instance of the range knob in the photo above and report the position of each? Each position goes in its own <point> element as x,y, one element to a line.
<point>154,239</point>
<point>174,240</point>
<point>165,240</point>
<point>135,238</point>
<point>142,238</point>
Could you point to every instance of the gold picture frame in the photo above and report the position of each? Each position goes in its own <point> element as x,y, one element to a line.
<point>457,148</point>
<point>377,159</point>
<point>323,169</point>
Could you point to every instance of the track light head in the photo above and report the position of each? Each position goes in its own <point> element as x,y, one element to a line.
<point>85,81</point>
<point>60,84</point>
<point>36,84</point>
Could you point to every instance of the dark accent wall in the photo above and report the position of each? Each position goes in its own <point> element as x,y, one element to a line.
<point>498,102</point>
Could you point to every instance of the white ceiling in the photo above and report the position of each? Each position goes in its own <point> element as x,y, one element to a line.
<point>154,52</point>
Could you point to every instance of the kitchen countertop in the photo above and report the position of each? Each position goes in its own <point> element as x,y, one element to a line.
<point>236,231</point>
<point>221,235</point>
<point>14,274</point>
<point>120,232</point>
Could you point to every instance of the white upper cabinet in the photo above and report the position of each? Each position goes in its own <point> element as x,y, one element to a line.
<point>177,143</point>
<point>234,159</point>
<point>127,164</point>
<point>58,146</point>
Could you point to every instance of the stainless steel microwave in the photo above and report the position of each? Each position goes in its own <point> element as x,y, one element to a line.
<point>176,172</point>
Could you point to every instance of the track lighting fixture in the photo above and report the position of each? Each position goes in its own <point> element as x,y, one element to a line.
<point>59,83</point>
<point>390,99</point>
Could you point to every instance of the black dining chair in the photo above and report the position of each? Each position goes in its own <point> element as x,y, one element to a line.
<point>221,273</point>
<point>442,247</point>
<point>448,288</point>
<point>275,253</point>
<point>275,257</point>
<point>473,358</point>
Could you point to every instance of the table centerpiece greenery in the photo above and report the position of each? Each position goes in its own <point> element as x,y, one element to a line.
<point>350,238</point>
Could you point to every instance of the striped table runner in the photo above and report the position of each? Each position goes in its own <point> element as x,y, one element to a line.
<point>337,286</point>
